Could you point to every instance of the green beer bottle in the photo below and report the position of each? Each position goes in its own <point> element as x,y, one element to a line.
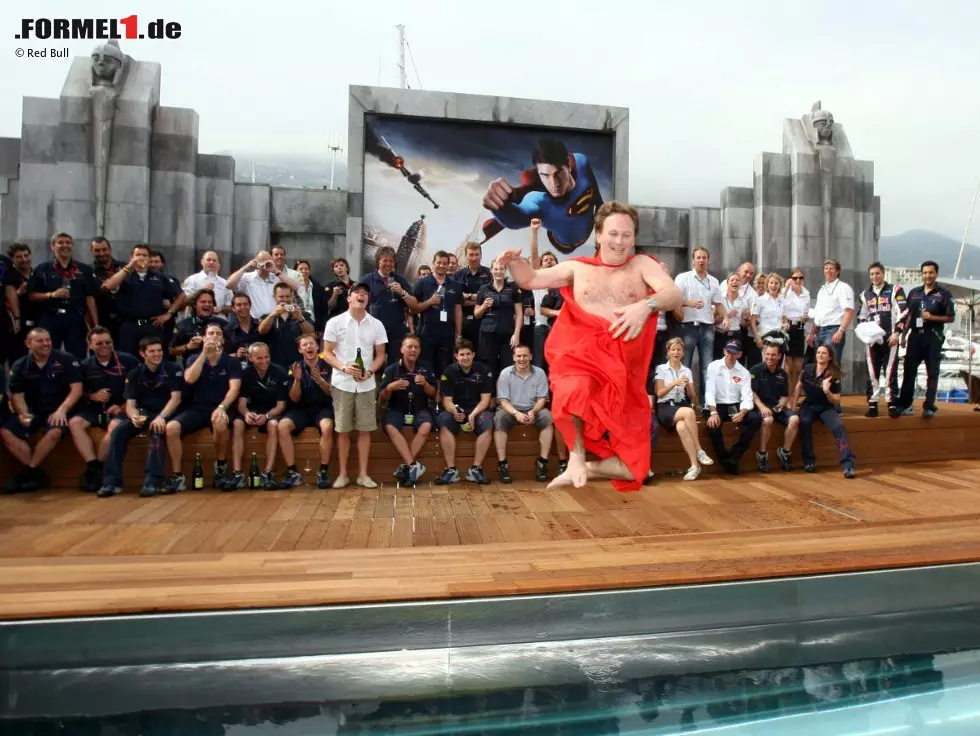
<point>254,479</point>
<point>359,362</point>
<point>198,473</point>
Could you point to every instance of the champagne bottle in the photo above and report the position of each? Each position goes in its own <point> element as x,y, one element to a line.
<point>359,362</point>
<point>254,478</point>
<point>198,473</point>
<point>466,422</point>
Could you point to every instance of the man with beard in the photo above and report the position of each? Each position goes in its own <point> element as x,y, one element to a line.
<point>45,385</point>
<point>599,349</point>
<point>188,337</point>
<point>103,382</point>
<point>105,266</point>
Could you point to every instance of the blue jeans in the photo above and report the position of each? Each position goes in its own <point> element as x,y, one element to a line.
<point>831,419</point>
<point>701,338</point>
<point>825,336</point>
<point>119,443</point>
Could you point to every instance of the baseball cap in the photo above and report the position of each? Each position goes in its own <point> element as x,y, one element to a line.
<point>733,346</point>
<point>361,285</point>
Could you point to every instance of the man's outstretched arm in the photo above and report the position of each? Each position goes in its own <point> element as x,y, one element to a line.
<point>527,278</point>
<point>669,297</point>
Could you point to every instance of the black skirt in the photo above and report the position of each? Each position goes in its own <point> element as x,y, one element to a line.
<point>796,347</point>
<point>666,411</point>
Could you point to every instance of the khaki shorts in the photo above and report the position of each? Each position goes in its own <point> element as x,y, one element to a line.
<point>354,411</point>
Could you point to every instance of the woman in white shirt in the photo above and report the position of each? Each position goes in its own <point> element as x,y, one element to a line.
<point>729,307</point>
<point>796,306</point>
<point>769,323</point>
<point>674,387</point>
<point>306,286</point>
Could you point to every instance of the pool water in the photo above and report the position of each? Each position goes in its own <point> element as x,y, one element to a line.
<point>907,694</point>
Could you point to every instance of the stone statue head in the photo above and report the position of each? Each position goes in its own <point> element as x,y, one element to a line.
<point>107,64</point>
<point>823,124</point>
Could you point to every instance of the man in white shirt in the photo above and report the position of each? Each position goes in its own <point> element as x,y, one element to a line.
<point>698,325</point>
<point>354,345</point>
<point>279,258</point>
<point>208,278</point>
<point>748,294</point>
<point>258,279</point>
<point>729,398</point>
<point>833,312</point>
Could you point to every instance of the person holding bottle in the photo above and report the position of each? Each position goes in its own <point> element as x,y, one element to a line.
<point>465,389</point>
<point>501,315</point>
<point>440,311</point>
<point>354,345</point>
<point>310,405</point>
<point>408,386</point>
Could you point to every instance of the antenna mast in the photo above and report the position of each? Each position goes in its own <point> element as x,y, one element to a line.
<point>335,148</point>
<point>401,56</point>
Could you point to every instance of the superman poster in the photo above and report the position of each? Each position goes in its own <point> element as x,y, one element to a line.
<point>433,185</point>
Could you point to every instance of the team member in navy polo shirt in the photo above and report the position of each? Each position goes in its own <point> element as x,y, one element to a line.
<point>284,325</point>
<point>820,387</point>
<point>310,406</point>
<point>103,381</point>
<point>188,337</point>
<point>261,402</point>
<point>65,290</point>
<point>408,386</point>
<point>44,387</point>
<point>390,299</point>
<point>212,381</point>
<point>16,272</point>
<point>104,266</point>
<point>465,388</point>
<point>142,296</point>
<point>499,309</point>
<point>440,310</point>
<point>243,328</point>
<point>152,395</point>
<point>472,277</point>
<point>770,391</point>
<point>930,308</point>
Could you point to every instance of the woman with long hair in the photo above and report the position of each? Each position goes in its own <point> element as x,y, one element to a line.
<point>769,323</point>
<point>729,307</point>
<point>501,315</point>
<point>676,394</point>
<point>820,387</point>
<point>796,308</point>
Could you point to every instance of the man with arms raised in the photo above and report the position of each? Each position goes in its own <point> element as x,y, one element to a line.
<point>599,349</point>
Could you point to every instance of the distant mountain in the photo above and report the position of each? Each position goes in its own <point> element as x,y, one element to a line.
<point>285,170</point>
<point>911,248</point>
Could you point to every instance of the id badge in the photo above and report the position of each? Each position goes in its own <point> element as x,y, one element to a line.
<point>527,320</point>
<point>443,315</point>
<point>878,319</point>
<point>919,323</point>
<point>409,420</point>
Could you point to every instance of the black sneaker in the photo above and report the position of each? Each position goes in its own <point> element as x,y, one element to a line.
<point>447,476</point>
<point>220,476</point>
<point>562,466</point>
<point>476,475</point>
<point>13,484</point>
<point>929,413</point>
<point>872,410</point>
<point>730,466</point>
<point>34,480</point>
<point>323,478</point>
<point>541,469</point>
<point>762,461</point>
<point>149,491</point>
<point>810,468</point>
<point>109,491</point>
<point>231,482</point>
<point>175,483</point>
<point>648,481</point>
<point>268,480</point>
<point>785,459</point>
<point>850,473</point>
<point>895,412</point>
<point>86,478</point>
<point>402,474</point>
<point>291,479</point>
<point>503,468</point>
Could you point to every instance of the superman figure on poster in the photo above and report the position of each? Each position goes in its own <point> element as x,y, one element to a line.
<point>560,190</point>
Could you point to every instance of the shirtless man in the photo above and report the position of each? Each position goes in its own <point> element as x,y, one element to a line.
<point>600,348</point>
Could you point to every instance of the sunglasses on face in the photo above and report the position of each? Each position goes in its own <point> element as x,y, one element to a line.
<point>796,278</point>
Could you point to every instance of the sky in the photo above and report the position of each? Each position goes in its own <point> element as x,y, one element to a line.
<point>708,83</point>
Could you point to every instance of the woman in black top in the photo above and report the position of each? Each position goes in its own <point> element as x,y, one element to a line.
<point>498,307</point>
<point>820,387</point>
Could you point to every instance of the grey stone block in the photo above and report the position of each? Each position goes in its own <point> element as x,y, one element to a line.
<point>130,146</point>
<point>212,232</point>
<point>214,196</point>
<point>130,222</point>
<point>39,144</point>
<point>737,197</point>
<point>216,167</point>
<point>253,201</point>
<point>75,143</point>
<point>807,190</point>
<point>308,210</point>
<point>771,237</point>
<point>173,190</point>
<point>664,226</point>
<point>705,230</point>
<point>251,236</point>
<point>172,227</point>
<point>40,111</point>
<point>128,184</point>
<point>8,214</point>
<point>75,181</point>
<point>737,222</point>
<point>35,202</point>
<point>806,237</point>
<point>181,121</point>
<point>9,158</point>
<point>355,204</point>
<point>734,252</point>
<point>76,217</point>
<point>173,153</point>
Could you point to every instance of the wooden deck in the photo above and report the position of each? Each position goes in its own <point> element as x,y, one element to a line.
<point>65,553</point>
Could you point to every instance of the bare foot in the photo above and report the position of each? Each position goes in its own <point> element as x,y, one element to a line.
<point>575,475</point>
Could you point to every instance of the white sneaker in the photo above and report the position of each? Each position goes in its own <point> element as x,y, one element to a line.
<point>693,473</point>
<point>704,459</point>
<point>342,481</point>
<point>366,482</point>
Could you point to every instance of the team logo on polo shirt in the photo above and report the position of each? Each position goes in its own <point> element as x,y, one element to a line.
<point>736,379</point>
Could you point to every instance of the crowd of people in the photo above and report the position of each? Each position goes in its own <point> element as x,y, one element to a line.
<point>127,347</point>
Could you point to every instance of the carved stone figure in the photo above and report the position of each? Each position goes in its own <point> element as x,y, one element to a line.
<point>820,130</point>
<point>108,76</point>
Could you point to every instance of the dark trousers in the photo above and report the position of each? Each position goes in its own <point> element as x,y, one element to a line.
<point>923,346</point>
<point>67,332</point>
<point>119,444</point>
<point>131,332</point>
<point>750,425</point>
<point>832,421</point>
<point>495,351</point>
<point>751,354</point>
<point>659,356</point>
<point>471,331</point>
<point>396,333</point>
<point>541,333</point>
<point>437,352</point>
<point>882,358</point>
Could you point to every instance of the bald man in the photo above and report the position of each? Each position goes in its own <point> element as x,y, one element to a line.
<point>208,278</point>
<point>258,279</point>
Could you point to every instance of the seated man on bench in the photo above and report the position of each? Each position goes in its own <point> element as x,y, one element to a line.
<point>408,386</point>
<point>522,390</point>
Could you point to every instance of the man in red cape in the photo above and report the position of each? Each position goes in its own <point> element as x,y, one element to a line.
<point>599,349</point>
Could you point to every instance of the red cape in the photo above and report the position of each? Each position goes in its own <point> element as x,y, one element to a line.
<point>616,413</point>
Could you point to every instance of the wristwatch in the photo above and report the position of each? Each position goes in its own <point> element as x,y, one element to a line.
<point>651,303</point>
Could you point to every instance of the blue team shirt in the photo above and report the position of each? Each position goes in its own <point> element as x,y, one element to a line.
<point>432,323</point>
<point>212,385</point>
<point>385,305</point>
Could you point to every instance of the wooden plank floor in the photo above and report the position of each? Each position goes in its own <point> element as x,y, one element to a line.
<point>63,553</point>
